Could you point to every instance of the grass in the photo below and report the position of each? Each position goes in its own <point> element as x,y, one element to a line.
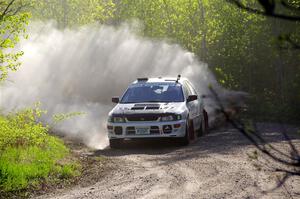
<point>30,156</point>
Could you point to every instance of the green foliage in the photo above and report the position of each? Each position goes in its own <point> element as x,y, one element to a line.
<point>253,155</point>
<point>69,170</point>
<point>70,13</point>
<point>249,126</point>
<point>13,26</point>
<point>238,46</point>
<point>28,154</point>
<point>64,116</point>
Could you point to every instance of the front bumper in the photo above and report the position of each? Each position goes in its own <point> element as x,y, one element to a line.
<point>156,129</point>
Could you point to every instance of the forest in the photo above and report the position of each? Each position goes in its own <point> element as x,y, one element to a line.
<point>249,46</point>
<point>245,51</point>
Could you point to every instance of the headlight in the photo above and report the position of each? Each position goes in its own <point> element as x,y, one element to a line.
<point>167,118</point>
<point>170,118</point>
<point>115,119</point>
<point>109,119</point>
<point>118,119</point>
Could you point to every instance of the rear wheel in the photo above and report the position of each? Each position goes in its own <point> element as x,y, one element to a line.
<point>200,131</point>
<point>205,126</point>
<point>115,143</point>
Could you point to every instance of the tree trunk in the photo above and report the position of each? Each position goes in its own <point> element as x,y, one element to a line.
<point>203,49</point>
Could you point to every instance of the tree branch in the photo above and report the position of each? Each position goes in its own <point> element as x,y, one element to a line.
<point>291,161</point>
<point>268,10</point>
<point>288,6</point>
<point>6,10</point>
<point>288,39</point>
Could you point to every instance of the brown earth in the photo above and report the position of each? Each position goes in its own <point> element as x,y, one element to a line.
<point>218,165</point>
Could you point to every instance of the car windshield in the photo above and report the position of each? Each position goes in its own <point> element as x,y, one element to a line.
<point>153,92</point>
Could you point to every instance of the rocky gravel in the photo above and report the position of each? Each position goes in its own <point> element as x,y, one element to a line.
<point>218,165</point>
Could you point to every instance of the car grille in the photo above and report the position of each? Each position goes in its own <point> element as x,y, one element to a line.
<point>130,130</point>
<point>141,118</point>
<point>154,130</point>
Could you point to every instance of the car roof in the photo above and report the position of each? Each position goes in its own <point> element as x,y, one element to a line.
<point>159,80</point>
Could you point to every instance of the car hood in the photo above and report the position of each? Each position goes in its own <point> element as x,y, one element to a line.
<point>138,108</point>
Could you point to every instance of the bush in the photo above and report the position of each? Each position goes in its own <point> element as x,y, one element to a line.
<point>28,154</point>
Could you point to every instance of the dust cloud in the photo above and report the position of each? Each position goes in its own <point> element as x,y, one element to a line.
<point>79,70</point>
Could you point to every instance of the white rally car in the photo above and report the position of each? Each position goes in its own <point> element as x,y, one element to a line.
<point>157,108</point>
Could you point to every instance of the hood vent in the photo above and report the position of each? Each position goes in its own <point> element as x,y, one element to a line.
<point>152,107</point>
<point>137,108</point>
<point>145,107</point>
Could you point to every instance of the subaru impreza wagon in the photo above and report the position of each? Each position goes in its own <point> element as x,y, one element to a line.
<point>157,108</point>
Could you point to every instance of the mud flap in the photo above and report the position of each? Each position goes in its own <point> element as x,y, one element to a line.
<point>191,130</point>
<point>205,122</point>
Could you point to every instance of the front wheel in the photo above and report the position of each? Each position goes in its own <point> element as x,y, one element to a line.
<point>184,141</point>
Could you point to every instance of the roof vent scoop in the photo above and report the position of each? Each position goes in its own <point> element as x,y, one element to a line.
<point>141,79</point>
<point>178,78</point>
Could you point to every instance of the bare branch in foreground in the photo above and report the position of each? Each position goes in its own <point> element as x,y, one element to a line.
<point>268,9</point>
<point>286,162</point>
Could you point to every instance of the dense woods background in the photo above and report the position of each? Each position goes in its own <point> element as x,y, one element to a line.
<point>241,48</point>
<point>245,46</point>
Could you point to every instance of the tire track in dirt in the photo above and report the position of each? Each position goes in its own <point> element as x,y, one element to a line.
<point>217,166</point>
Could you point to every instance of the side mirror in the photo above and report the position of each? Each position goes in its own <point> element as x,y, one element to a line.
<point>115,99</point>
<point>192,98</point>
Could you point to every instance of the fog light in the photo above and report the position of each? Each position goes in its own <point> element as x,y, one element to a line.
<point>177,125</point>
<point>167,128</point>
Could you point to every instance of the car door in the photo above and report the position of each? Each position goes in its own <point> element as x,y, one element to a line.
<point>190,105</point>
<point>196,106</point>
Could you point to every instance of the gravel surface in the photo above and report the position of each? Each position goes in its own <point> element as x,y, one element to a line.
<point>216,166</point>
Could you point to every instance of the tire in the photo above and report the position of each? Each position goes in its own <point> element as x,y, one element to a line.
<point>205,128</point>
<point>184,141</point>
<point>115,143</point>
<point>201,131</point>
<point>204,125</point>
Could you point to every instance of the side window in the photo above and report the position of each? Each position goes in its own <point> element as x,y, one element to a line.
<point>192,89</point>
<point>187,89</point>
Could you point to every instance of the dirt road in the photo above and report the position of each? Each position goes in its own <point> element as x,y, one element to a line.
<point>216,166</point>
